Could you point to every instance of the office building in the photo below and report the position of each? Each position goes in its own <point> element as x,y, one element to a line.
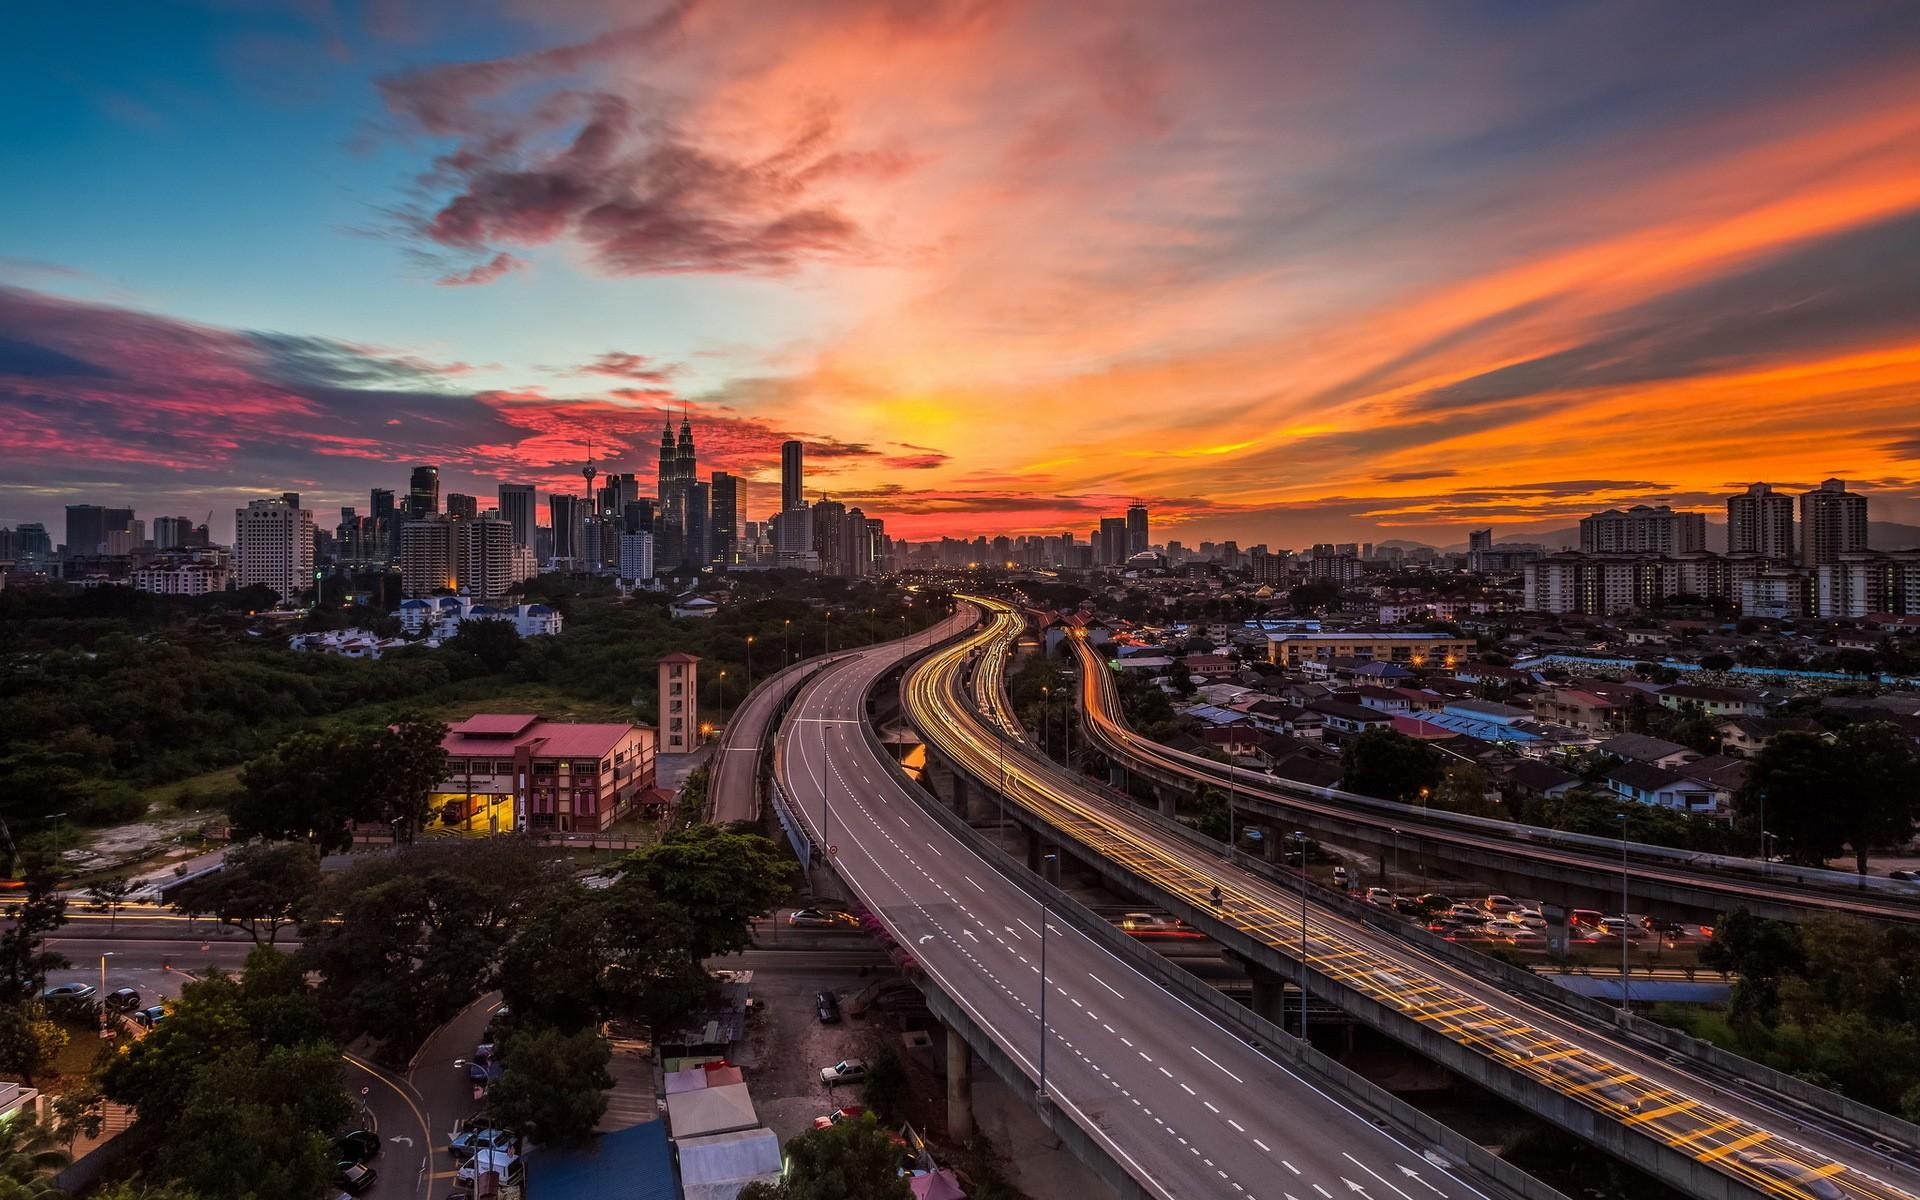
<point>1111,538</point>
<point>1138,538</point>
<point>636,557</point>
<point>793,539</point>
<point>1833,522</point>
<point>517,507</point>
<point>1479,539</point>
<point>1643,529</point>
<point>462,507</point>
<point>1760,521</point>
<point>829,535</point>
<point>568,517</point>
<point>89,524</point>
<point>792,484</point>
<point>723,522</point>
<point>423,492</point>
<point>31,542</point>
<point>273,547</point>
<point>172,533</point>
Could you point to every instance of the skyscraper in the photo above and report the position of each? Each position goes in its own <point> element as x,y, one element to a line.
<point>273,545</point>
<point>426,556</point>
<point>567,513</point>
<point>423,492</point>
<point>723,524</point>
<point>1137,536</point>
<point>171,533</point>
<point>1643,529</point>
<point>1479,540</point>
<point>517,506</point>
<point>462,507</point>
<point>1833,521</point>
<point>792,482</point>
<point>89,524</point>
<point>1112,540</point>
<point>1760,521</point>
<point>697,512</point>
<point>829,533</point>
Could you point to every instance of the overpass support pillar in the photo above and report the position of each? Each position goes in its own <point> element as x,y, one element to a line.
<point>1270,843</point>
<point>1166,798</point>
<point>1269,993</point>
<point>959,1087</point>
<point>1117,776</point>
<point>1038,848</point>
<point>959,793</point>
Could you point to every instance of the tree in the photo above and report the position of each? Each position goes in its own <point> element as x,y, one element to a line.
<point>261,888</point>
<point>1793,783</point>
<point>1761,953</point>
<point>493,646</point>
<point>554,1089</point>
<point>29,1040</point>
<point>854,1160</point>
<point>24,957</point>
<point>1309,598</point>
<point>259,1123</point>
<point>309,788</point>
<point>1390,766</point>
<point>1717,662</point>
<point>553,972</point>
<point>29,1155</point>
<point>110,894</point>
<point>716,881</point>
<point>408,762</point>
<point>1878,788</point>
<point>885,1090</point>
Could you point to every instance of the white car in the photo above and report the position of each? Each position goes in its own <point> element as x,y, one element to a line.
<point>847,1070</point>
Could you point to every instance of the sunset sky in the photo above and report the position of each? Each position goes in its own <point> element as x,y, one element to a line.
<point>1288,272</point>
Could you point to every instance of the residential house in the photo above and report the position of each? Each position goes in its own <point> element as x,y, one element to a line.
<point>1749,735</point>
<point>1345,719</point>
<point>1638,747</point>
<point>1532,777</point>
<point>1578,709</point>
<point>1714,701</point>
<point>1645,783</point>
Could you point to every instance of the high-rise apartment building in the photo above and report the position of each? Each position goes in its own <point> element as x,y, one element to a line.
<point>485,563</point>
<point>792,481</point>
<point>1112,540</point>
<point>426,556</point>
<point>1479,539</point>
<point>462,507</point>
<point>829,535</point>
<point>1833,521</point>
<point>517,507</point>
<point>273,546</point>
<point>1138,538</point>
<point>423,492</point>
<point>1760,521</point>
<point>1643,529</point>
<point>172,533</point>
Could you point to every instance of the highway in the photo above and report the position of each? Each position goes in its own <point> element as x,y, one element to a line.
<point>1739,1135</point>
<point>1107,729</point>
<point>1187,1108</point>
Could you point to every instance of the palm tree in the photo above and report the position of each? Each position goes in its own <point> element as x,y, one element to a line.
<point>29,1157</point>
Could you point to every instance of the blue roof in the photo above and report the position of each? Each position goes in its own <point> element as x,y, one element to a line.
<point>1213,714</point>
<point>631,1164</point>
<point>449,602</point>
<point>539,610</point>
<point>416,604</point>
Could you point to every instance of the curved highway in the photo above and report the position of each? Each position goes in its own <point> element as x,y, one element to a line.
<point>1738,1135</point>
<point>1107,728</point>
<point>1188,1109</point>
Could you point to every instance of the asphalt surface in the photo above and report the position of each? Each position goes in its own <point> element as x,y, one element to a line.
<point>1106,726</point>
<point>1187,1107</point>
<point>1731,1128</point>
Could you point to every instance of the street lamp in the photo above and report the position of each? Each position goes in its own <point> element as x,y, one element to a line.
<point>749,662</point>
<point>103,992</point>
<point>1046,719</point>
<point>1626,1004</point>
<point>1044,860</point>
<point>1301,839</point>
<point>723,698</point>
<point>829,616</point>
<point>786,628</point>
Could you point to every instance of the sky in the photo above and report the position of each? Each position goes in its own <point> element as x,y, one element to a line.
<point>1286,272</point>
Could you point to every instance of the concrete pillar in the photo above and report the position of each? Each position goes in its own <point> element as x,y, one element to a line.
<point>1269,993</point>
<point>1033,850</point>
<point>1165,797</point>
<point>1270,843</point>
<point>1117,776</point>
<point>959,1087</point>
<point>1556,915</point>
<point>959,794</point>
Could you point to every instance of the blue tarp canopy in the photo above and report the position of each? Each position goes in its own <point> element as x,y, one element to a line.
<point>632,1164</point>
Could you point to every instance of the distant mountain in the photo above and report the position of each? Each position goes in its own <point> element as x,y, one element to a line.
<point>1881,535</point>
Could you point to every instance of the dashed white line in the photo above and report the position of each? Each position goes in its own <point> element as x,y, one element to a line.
<point>1229,1074</point>
<point>1103,983</point>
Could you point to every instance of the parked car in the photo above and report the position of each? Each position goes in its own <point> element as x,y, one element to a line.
<point>122,1000</point>
<point>147,1018</point>
<point>1340,877</point>
<point>472,1142</point>
<point>356,1177</point>
<point>827,1005</point>
<point>358,1145</point>
<point>822,918</point>
<point>1408,906</point>
<point>852,1112</point>
<point>62,994</point>
<point>847,1070</point>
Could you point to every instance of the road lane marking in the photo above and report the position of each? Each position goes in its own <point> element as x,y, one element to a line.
<point>1223,1070</point>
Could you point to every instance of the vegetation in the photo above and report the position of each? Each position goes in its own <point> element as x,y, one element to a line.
<point>1835,1001</point>
<point>261,889</point>
<point>854,1160</point>
<point>24,957</point>
<point>314,786</point>
<point>1858,788</point>
<point>556,1091</point>
<point>1390,766</point>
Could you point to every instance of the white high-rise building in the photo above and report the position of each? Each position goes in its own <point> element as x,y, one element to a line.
<point>636,556</point>
<point>273,546</point>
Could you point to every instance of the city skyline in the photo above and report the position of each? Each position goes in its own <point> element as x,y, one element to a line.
<point>1508,267</point>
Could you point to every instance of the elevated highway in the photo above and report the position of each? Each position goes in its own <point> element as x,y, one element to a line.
<point>1703,1138</point>
<point>1571,871</point>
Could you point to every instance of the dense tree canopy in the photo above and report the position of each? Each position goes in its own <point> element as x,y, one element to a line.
<point>1858,788</point>
<point>555,1087</point>
<point>1389,765</point>
<point>854,1160</point>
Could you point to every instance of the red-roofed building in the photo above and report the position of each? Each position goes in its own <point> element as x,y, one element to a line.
<point>510,771</point>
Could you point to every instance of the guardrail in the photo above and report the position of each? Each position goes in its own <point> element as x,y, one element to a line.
<point>1263,1035</point>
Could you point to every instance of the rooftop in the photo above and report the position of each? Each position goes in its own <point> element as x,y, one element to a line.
<point>549,739</point>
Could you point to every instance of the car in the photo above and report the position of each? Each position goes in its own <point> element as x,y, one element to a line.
<point>472,1142</point>
<point>1905,876</point>
<point>67,993</point>
<point>827,1005</point>
<point>1500,904</point>
<point>1588,917</point>
<point>1340,877</point>
<point>149,1017</point>
<point>852,1112</point>
<point>1435,902</point>
<point>1467,912</point>
<point>1621,927</point>
<point>478,1122</point>
<point>356,1177</point>
<point>1408,906</point>
<point>1817,1186</point>
<point>1147,924</point>
<point>1530,917</point>
<point>358,1145</point>
<point>847,1070</point>
<point>122,1000</point>
<point>822,918</point>
<point>1379,896</point>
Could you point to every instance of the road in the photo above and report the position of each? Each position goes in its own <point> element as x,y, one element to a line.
<point>1107,729</point>
<point>1739,1134</point>
<point>1189,1109</point>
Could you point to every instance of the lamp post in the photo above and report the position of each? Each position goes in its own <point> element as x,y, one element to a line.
<point>749,662</point>
<point>1301,838</point>
<point>1044,860</point>
<point>723,698</point>
<point>103,992</point>
<point>829,617</point>
<point>786,628</point>
<point>1046,719</point>
<point>1626,1003</point>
